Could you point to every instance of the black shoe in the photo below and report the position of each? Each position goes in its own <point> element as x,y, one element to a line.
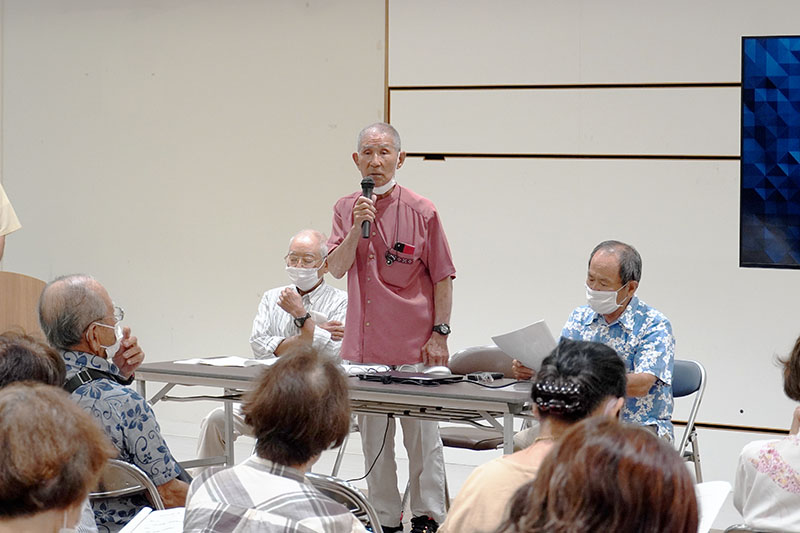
<point>423,524</point>
<point>396,529</point>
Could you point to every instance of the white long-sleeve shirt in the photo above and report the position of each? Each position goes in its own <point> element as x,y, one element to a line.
<point>272,324</point>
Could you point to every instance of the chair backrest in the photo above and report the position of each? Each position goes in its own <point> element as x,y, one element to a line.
<point>745,528</point>
<point>688,377</point>
<point>121,479</point>
<point>481,359</point>
<point>19,302</point>
<point>346,494</point>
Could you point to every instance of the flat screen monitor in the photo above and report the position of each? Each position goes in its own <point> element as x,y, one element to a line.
<point>769,234</point>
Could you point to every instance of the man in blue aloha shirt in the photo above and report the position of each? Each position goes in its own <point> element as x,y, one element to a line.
<point>641,335</point>
<point>79,319</point>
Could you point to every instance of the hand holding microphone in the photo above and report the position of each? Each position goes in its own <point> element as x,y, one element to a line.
<point>367,184</point>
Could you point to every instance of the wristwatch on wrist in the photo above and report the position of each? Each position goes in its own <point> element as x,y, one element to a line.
<point>300,320</point>
<point>442,329</point>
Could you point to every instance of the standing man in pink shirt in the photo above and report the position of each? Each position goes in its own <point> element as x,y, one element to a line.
<point>400,292</point>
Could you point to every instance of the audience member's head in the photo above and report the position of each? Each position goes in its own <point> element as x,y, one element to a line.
<point>628,259</point>
<point>299,408</point>
<point>791,373</point>
<point>607,476</point>
<point>305,261</point>
<point>579,379</point>
<point>51,455</point>
<point>76,312</point>
<point>25,358</point>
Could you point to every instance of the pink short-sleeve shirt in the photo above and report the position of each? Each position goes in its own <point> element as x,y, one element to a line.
<point>390,308</point>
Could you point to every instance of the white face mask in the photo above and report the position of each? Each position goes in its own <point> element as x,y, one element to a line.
<point>112,349</point>
<point>603,302</point>
<point>383,189</point>
<point>303,278</point>
<point>64,528</point>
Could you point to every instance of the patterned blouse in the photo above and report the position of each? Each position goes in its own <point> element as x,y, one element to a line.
<point>131,425</point>
<point>767,488</point>
<point>642,336</point>
<point>258,495</point>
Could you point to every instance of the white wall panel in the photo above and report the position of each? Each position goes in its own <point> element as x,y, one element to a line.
<point>474,42</point>
<point>699,121</point>
<point>172,148</point>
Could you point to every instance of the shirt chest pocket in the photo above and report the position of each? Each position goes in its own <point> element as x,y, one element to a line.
<point>399,269</point>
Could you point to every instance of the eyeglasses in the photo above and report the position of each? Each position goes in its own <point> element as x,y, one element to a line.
<point>119,314</point>
<point>305,260</point>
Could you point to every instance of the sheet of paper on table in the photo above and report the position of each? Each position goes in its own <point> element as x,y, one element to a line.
<point>530,345</point>
<point>150,521</point>
<point>228,360</point>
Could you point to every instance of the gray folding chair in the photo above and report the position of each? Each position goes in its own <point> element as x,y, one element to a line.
<point>689,377</point>
<point>348,495</point>
<point>121,479</point>
<point>744,528</point>
<point>476,359</point>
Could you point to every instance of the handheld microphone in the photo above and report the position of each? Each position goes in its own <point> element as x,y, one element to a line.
<point>367,184</point>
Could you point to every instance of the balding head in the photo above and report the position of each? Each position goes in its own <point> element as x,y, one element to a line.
<point>379,127</point>
<point>68,305</point>
<point>310,239</point>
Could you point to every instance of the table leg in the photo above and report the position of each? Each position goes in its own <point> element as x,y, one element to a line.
<point>508,433</point>
<point>229,459</point>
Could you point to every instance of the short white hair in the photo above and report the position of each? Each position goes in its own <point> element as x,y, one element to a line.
<point>381,127</point>
<point>322,239</point>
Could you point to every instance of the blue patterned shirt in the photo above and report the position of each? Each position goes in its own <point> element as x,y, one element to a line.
<point>131,425</point>
<point>642,336</point>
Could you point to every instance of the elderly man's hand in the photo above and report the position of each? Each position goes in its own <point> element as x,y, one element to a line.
<point>129,356</point>
<point>291,302</point>
<point>364,209</point>
<point>520,371</point>
<point>335,328</point>
<point>435,352</point>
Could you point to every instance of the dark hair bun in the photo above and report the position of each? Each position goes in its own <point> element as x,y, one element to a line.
<point>557,397</point>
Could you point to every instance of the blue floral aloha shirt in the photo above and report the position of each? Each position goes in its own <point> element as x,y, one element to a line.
<point>131,425</point>
<point>642,336</point>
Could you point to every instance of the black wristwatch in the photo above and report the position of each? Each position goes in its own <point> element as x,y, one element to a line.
<point>300,320</point>
<point>442,329</point>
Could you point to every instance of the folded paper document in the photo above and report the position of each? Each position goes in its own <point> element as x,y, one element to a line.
<point>150,521</point>
<point>228,360</point>
<point>530,345</point>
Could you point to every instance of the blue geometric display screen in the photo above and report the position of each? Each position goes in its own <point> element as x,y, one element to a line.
<point>770,159</point>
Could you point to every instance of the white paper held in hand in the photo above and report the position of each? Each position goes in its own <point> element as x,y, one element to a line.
<point>529,345</point>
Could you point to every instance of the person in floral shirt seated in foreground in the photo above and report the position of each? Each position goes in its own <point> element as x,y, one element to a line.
<point>79,319</point>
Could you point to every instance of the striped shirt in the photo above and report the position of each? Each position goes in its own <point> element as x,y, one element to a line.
<point>259,495</point>
<point>272,324</point>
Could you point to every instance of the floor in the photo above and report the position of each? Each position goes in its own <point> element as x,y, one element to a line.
<point>181,437</point>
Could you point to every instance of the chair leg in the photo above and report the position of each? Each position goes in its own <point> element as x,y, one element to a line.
<point>696,456</point>
<point>339,456</point>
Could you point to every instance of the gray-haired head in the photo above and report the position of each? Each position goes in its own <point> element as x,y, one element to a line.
<point>320,237</point>
<point>630,262</point>
<point>67,306</point>
<point>380,127</point>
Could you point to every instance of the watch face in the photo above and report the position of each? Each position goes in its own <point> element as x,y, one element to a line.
<point>444,329</point>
